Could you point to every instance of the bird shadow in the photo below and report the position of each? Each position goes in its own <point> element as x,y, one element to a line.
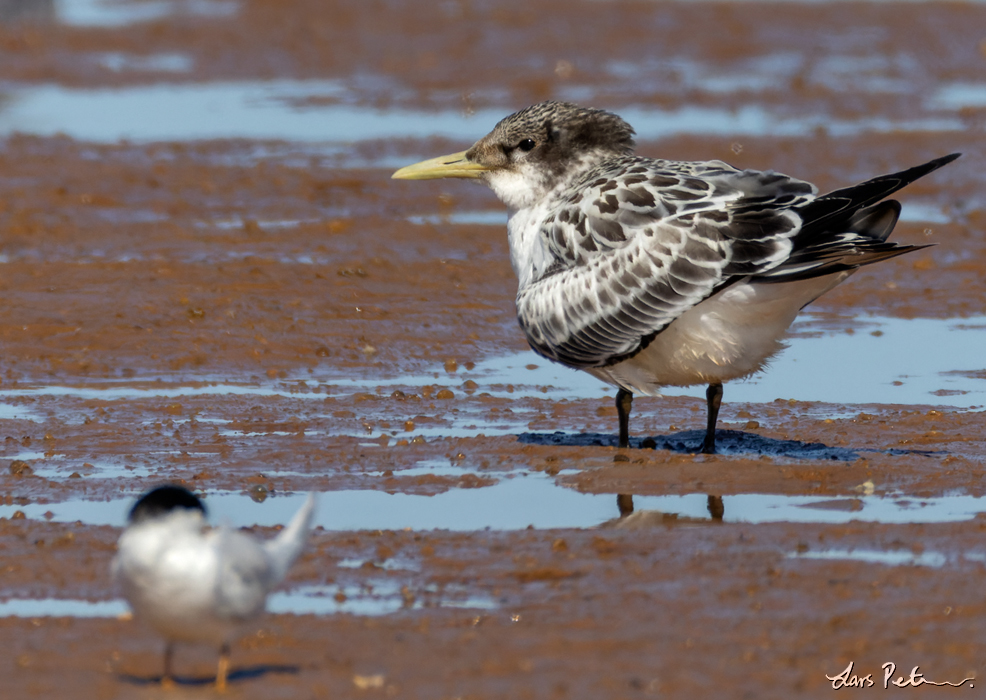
<point>728,442</point>
<point>240,674</point>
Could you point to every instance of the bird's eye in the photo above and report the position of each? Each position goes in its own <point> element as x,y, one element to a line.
<point>526,145</point>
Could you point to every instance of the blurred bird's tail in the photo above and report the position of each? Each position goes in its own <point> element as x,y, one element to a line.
<point>284,549</point>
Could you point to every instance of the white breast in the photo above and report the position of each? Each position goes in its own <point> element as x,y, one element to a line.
<point>528,254</point>
<point>170,573</point>
<point>728,336</point>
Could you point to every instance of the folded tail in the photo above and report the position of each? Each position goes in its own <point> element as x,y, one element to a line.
<point>848,228</point>
<point>836,210</point>
<point>284,550</point>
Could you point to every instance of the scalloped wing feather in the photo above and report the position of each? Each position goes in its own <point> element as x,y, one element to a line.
<point>639,243</point>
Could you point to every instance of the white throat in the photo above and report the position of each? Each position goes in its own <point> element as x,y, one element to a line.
<point>531,194</point>
<point>519,187</point>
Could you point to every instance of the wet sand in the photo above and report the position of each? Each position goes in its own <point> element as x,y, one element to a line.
<point>261,316</point>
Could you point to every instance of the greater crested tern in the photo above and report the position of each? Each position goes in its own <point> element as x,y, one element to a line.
<point>649,273</point>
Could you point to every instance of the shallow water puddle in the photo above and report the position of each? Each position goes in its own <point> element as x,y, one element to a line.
<point>129,391</point>
<point>463,218</point>
<point>893,361</point>
<point>880,360</point>
<point>284,110</point>
<point>374,597</point>
<point>889,361</point>
<point>958,96</point>
<point>519,501</point>
<point>114,13</point>
<point>925,212</point>
<point>62,607</point>
<point>876,361</point>
<point>889,558</point>
<point>120,62</point>
<point>18,412</point>
<point>52,466</point>
<point>678,73</point>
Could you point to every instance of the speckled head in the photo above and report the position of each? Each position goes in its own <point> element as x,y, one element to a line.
<point>549,136</point>
<point>559,130</point>
<point>533,151</point>
<point>161,501</point>
<point>544,146</point>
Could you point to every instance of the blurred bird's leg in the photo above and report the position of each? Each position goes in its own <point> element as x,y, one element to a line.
<point>624,401</point>
<point>223,671</point>
<point>167,680</point>
<point>713,397</point>
<point>716,507</point>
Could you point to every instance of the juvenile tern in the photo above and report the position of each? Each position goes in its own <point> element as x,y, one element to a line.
<point>195,584</point>
<point>647,272</point>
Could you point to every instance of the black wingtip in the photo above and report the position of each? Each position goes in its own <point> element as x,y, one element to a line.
<point>933,165</point>
<point>906,177</point>
<point>826,209</point>
<point>161,501</point>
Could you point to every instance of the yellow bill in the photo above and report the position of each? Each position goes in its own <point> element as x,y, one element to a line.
<point>453,165</point>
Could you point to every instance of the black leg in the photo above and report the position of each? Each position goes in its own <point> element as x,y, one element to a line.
<point>624,401</point>
<point>624,501</point>
<point>713,397</point>
<point>716,508</point>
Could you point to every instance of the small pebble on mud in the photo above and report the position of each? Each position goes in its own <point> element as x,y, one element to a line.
<point>368,682</point>
<point>20,468</point>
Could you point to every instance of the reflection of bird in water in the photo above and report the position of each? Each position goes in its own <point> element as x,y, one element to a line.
<point>634,520</point>
<point>193,584</point>
<point>624,502</point>
<point>649,273</point>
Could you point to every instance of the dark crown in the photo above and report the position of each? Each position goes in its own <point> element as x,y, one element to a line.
<point>161,501</point>
<point>581,128</point>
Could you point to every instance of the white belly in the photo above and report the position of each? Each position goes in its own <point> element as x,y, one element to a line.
<point>728,336</point>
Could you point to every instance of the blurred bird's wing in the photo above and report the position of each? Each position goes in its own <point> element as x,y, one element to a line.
<point>246,575</point>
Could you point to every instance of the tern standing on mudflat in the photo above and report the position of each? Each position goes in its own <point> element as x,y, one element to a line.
<point>193,584</point>
<point>649,273</point>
